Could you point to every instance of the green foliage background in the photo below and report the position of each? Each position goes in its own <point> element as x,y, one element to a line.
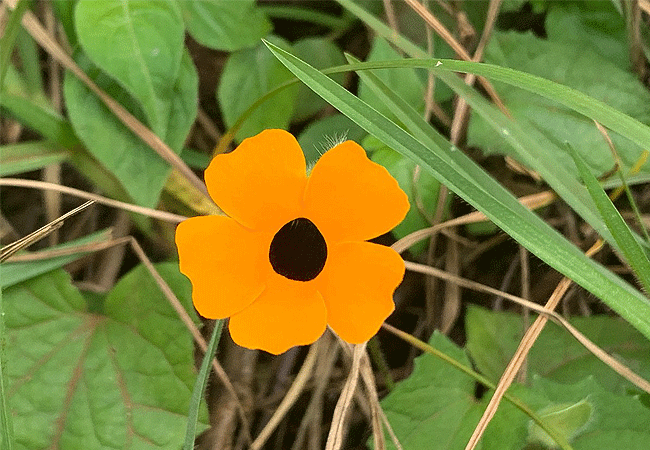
<point>117,370</point>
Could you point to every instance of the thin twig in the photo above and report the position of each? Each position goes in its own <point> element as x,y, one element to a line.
<point>616,365</point>
<point>517,360</point>
<point>532,201</point>
<point>337,430</point>
<point>33,184</point>
<point>460,113</point>
<point>390,15</point>
<point>446,35</point>
<point>289,399</point>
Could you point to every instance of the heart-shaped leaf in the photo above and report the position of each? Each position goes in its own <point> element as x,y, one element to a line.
<point>114,375</point>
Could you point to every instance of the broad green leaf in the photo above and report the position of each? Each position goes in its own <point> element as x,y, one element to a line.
<point>225,25</point>
<point>436,407</point>
<point>493,337</point>
<point>247,76</point>
<point>120,379</point>
<point>568,418</point>
<point>320,53</point>
<point>40,117</point>
<point>184,104</point>
<point>141,171</point>
<point>469,181</point>
<point>195,159</point>
<point>27,156</point>
<point>616,421</point>
<point>140,44</point>
<point>597,26</point>
<point>405,82</point>
<point>320,134</point>
<point>552,124</point>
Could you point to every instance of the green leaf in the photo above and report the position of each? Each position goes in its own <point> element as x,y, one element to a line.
<point>493,337</point>
<point>435,407</point>
<point>616,422</point>
<point>83,380</point>
<point>319,53</point>
<point>318,136</point>
<point>139,168</point>
<point>30,63</point>
<point>568,418</point>
<point>27,156</point>
<point>597,26</point>
<point>626,241</point>
<point>198,392</point>
<point>528,149</point>
<point>248,75</point>
<point>424,191</point>
<point>551,124</point>
<point>225,25</point>
<point>435,404</point>
<point>184,104</point>
<point>34,110</point>
<point>10,32</point>
<point>404,82</point>
<point>138,43</point>
<point>43,120</point>
<point>469,181</point>
<point>64,10</point>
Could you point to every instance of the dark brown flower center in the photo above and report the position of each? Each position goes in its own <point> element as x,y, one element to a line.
<point>298,250</point>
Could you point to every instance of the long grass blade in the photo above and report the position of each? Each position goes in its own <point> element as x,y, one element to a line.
<point>630,248</point>
<point>451,167</point>
<point>199,386</point>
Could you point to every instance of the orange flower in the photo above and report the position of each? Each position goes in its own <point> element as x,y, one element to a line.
<point>291,258</point>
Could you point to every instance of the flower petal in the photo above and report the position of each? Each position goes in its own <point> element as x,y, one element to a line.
<point>261,183</point>
<point>226,263</point>
<point>357,285</point>
<point>352,198</point>
<point>286,314</point>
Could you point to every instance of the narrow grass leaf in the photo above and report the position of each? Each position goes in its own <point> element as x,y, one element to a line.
<point>494,201</point>
<point>628,245</point>
<point>27,156</point>
<point>12,27</point>
<point>611,118</point>
<point>529,150</point>
<point>199,386</point>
